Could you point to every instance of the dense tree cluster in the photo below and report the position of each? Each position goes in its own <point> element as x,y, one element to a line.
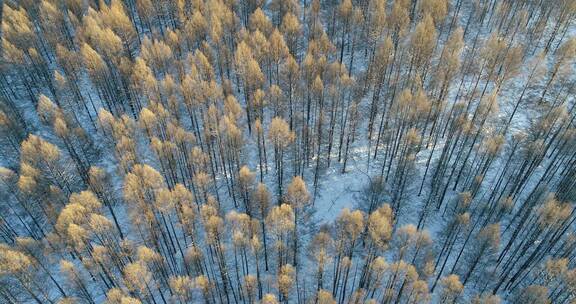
<point>177,151</point>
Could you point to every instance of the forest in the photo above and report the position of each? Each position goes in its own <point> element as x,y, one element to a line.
<point>287,151</point>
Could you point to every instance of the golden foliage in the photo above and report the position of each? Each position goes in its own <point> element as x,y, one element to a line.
<point>137,277</point>
<point>269,299</point>
<point>279,132</point>
<point>451,286</point>
<point>281,219</point>
<point>325,297</point>
<point>285,279</point>
<point>380,226</point>
<point>13,261</point>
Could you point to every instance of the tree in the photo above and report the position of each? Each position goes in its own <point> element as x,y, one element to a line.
<point>116,18</point>
<point>246,184</point>
<point>19,266</point>
<point>259,21</point>
<point>41,166</point>
<point>269,299</point>
<point>251,75</point>
<point>352,122</point>
<point>565,54</point>
<point>281,136</point>
<point>116,296</point>
<point>324,297</point>
<point>76,281</point>
<point>78,145</point>
<point>278,52</point>
<point>138,278</point>
<point>291,29</point>
<point>422,44</point>
<point>280,221</point>
<point>54,24</point>
<point>182,286</point>
<point>533,294</point>
<point>285,281</point>
<point>486,299</point>
<point>262,200</point>
<point>297,196</point>
<point>379,231</point>
<point>451,288</point>
<point>349,225</point>
<point>320,250</point>
<point>262,157</point>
